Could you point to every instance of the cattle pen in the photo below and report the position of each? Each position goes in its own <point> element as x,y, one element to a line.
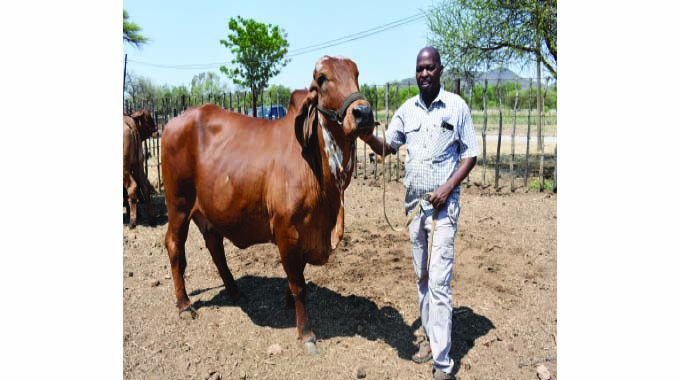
<point>362,301</point>
<point>518,146</point>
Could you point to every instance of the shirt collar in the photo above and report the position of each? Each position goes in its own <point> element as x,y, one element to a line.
<point>438,98</point>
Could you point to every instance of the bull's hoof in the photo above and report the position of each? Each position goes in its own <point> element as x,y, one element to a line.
<point>188,314</point>
<point>310,347</point>
<point>133,225</point>
<point>152,222</point>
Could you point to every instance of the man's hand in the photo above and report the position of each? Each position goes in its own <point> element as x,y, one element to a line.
<point>440,196</point>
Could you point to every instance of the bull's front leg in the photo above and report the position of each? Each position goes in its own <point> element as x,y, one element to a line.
<point>339,229</point>
<point>294,266</point>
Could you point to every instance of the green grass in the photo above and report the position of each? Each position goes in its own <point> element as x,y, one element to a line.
<point>535,184</point>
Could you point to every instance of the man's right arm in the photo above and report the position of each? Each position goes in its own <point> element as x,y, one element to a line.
<point>376,144</point>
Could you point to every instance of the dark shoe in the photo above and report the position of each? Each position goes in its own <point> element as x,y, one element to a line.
<point>424,353</point>
<point>441,375</point>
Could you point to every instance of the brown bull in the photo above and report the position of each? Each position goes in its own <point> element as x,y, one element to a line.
<point>255,181</point>
<point>136,128</point>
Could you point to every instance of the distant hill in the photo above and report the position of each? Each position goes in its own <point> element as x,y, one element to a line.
<point>505,75</point>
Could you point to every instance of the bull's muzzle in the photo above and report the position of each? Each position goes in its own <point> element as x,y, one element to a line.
<point>363,117</point>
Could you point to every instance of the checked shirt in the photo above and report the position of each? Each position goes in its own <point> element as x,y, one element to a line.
<point>433,147</point>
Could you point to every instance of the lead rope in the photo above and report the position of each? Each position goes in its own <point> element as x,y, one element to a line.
<point>416,211</point>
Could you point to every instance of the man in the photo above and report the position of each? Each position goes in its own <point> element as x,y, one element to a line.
<point>437,128</point>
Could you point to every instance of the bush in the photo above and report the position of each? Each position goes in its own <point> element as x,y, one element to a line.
<point>535,184</point>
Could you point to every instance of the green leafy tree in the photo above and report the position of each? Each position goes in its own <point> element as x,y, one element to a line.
<point>174,92</point>
<point>371,94</point>
<point>280,92</point>
<point>131,32</point>
<point>259,54</point>
<point>474,34</point>
<point>207,83</point>
<point>405,93</point>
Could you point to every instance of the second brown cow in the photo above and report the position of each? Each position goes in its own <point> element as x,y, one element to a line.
<point>136,128</point>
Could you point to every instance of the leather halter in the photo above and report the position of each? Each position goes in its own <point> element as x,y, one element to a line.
<point>338,117</point>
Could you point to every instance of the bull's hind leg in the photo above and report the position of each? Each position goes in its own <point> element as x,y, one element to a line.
<point>131,187</point>
<point>126,204</point>
<point>214,240</point>
<point>146,190</point>
<point>175,238</point>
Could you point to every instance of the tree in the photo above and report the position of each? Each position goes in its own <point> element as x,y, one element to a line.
<point>471,34</point>
<point>131,31</point>
<point>281,92</point>
<point>207,83</point>
<point>140,89</point>
<point>259,50</point>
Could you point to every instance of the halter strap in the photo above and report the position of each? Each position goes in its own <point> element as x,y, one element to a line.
<point>340,116</point>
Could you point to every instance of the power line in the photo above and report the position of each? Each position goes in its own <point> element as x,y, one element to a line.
<point>190,66</point>
<point>304,50</point>
<point>358,35</point>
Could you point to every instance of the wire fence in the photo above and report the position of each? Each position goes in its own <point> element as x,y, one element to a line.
<point>505,118</point>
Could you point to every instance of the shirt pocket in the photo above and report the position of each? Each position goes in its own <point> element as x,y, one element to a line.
<point>444,144</point>
<point>414,142</point>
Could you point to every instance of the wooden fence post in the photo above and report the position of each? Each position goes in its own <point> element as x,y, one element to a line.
<point>484,132</point>
<point>375,163</point>
<point>456,86</point>
<point>158,155</point>
<point>472,85</point>
<point>541,143</point>
<point>512,144</point>
<point>387,113</point>
<point>145,150</point>
<point>555,172</point>
<point>396,156</point>
<point>500,132</point>
<point>526,159</point>
<point>539,124</point>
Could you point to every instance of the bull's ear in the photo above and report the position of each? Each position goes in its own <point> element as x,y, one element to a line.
<point>305,119</point>
<point>137,115</point>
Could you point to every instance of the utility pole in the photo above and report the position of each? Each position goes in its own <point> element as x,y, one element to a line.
<point>124,75</point>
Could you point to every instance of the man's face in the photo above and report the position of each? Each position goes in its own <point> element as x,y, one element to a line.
<point>428,72</point>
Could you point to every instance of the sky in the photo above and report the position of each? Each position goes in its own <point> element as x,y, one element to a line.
<point>183,33</point>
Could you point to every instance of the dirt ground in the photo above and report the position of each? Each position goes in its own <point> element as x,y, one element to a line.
<point>362,304</point>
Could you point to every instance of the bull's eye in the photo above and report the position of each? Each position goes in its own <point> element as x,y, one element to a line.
<point>321,79</point>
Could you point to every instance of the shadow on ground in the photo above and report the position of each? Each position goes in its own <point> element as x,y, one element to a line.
<point>335,315</point>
